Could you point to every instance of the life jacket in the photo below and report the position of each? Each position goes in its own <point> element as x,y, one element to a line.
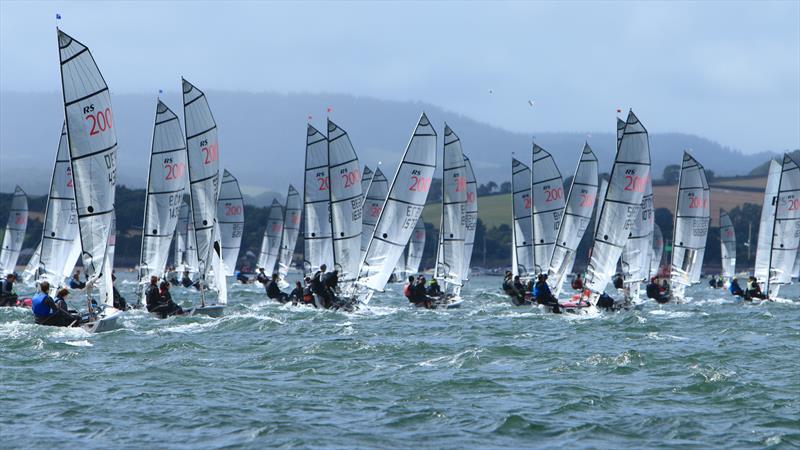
<point>407,290</point>
<point>39,307</point>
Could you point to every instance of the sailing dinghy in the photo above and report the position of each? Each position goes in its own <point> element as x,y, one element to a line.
<point>291,229</point>
<point>202,148</point>
<point>636,254</point>
<point>230,217</point>
<point>522,236</point>
<point>166,183</point>
<point>15,232</point>
<point>400,213</point>
<point>618,210</point>
<point>92,142</point>
<point>470,219</point>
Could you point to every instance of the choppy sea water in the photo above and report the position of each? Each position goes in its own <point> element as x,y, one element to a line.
<point>709,373</point>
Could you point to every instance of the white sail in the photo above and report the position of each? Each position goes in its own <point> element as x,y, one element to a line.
<point>15,231</point>
<point>230,217</point>
<point>657,250</point>
<point>166,183</point>
<point>29,273</point>
<point>346,200</point>
<point>727,239</point>
<point>786,226</point>
<point>271,242</point>
<point>575,218</point>
<point>106,284</point>
<point>185,251</point>
<point>521,211</point>
<point>92,139</point>
<point>60,246</point>
<point>291,229</point>
<point>691,223</point>
<point>202,148</point>
<point>638,249</point>
<point>366,180</point>
<point>547,190</point>
<point>217,266</point>
<point>470,218</point>
<point>621,204</point>
<point>415,250</point>
<point>765,226</point>
<point>796,270</point>
<point>317,234</point>
<point>452,232</point>
<point>373,205</point>
<point>401,211</point>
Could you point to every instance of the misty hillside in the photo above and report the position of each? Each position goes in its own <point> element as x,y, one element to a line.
<point>262,138</point>
<point>763,169</point>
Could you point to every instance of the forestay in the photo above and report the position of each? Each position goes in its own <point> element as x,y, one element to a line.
<point>575,218</point>
<point>166,182</point>
<point>766,222</point>
<point>317,235</point>
<point>521,212</point>
<point>452,232</point>
<point>230,217</point>
<point>401,211</point>
<point>691,223</point>
<point>373,205</point>
<point>547,190</point>
<point>786,228</point>
<point>15,231</point>
<point>727,238</point>
<point>271,242</point>
<point>346,200</point>
<point>92,139</point>
<point>470,218</point>
<point>202,148</point>
<point>291,229</point>
<point>621,204</point>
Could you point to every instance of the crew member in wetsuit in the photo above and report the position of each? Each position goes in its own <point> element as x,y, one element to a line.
<point>61,300</point>
<point>75,282</point>
<point>433,289</point>
<point>274,292</point>
<point>754,290</point>
<point>408,288</point>
<point>577,283</point>
<point>119,300</point>
<point>7,295</point>
<point>167,305</point>
<point>508,284</point>
<point>47,312</point>
<point>185,280</point>
<point>308,293</point>
<point>618,282</point>
<point>419,295</point>
<point>318,286</point>
<point>520,288</point>
<point>262,277</point>
<point>713,282</point>
<point>735,289</point>
<point>542,294</point>
<point>605,301</point>
<point>241,278</point>
<point>654,291</point>
<point>331,283</point>
<point>296,296</point>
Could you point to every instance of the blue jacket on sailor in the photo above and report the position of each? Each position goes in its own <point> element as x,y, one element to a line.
<point>541,289</point>
<point>40,306</point>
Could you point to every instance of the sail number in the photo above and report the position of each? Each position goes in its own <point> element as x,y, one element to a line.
<point>233,210</point>
<point>586,200</point>
<point>470,197</point>
<point>277,227</point>
<point>461,184</point>
<point>697,202</point>
<point>21,219</point>
<point>101,120</point>
<point>69,177</point>
<point>174,171</point>
<point>375,210</point>
<point>528,202</point>
<point>111,165</point>
<point>554,194</point>
<point>794,204</point>
<point>210,151</point>
<point>324,183</point>
<point>635,183</point>
<point>420,184</point>
<point>351,178</point>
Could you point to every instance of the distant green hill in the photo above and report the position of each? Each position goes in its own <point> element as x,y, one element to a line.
<point>762,169</point>
<point>493,210</point>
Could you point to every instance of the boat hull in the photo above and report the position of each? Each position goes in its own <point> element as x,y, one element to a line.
<point>107,322</point>
<point>208,310</point>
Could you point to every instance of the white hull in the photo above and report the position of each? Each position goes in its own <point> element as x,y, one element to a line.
<point>106,322</point>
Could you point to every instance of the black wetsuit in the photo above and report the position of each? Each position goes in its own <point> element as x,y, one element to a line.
<point>262,278</point>
<point>119,300</point>
<point>331,282</point>
<point>185,282</point>
<point>543,296</point>
<point>275,293</point>
<point>318,288</point>
<point>7,295</point>
<point>297,294</point>
<point>434,290</point>
<point>654,291</point>
<point>605,301</point>
<point>618,283</point>
<point>419,296</point>
<point>76,284</point>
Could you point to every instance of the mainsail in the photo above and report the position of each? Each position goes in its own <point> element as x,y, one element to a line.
<point>727,239</point>
<point>60,247</point>
<point>346,200</point>
<point>15,232</point>
<point>765,226</point>
<point>202,147</point>
<point>291,229</point>
<point>657,251</point>
<point>317,234</point>
<point>373,205</point>
<point>92,139</point>
<point>271,242</point>
<point>575,218</point>
<point>786,226</point>
<point>185,251</point>
<point>521,211</point>
<point>401,211</point>
<point>691,224</point>
<point>366,180</point>
<point>547,190</point>
<point>416,247</point>
<point>621,204</point>
<point>470,218</point>
<point>230,219</point>
<point>452,232</point>
<point>638,249</point>
<point>166,182</point>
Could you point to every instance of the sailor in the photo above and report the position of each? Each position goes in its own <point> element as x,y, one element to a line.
<point>518,286</point>
<point>308,294</point>
<point>172,276</point>
<point>47,312</point>
<point>318,286</point>
<point>433,289</point>
<point>605,301</point>
<point>577,283</point>
<point>331,282</point>
<point>296,296</point>
<point>654,291</point>
<point>75,282</point>
<point>274,292</point>
<point>618,282</point>
<point>508,284</point>
<point>61,300</point>
<point>167,307</point>
<point>419,295</point>
<point>664,287</point>
<point>735,289</point>
<point>754,290</point>
<point>7,295</point>
<point>119,300</point>
<point>408,288</point>
<point>713,282</point>
<point>543,295</point>
<point>261,277</point>
<point>186,281</point>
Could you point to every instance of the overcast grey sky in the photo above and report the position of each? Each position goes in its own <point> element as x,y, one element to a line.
<point>729,71</point>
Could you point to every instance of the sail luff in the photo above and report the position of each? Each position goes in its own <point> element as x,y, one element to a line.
<point>766,223</point>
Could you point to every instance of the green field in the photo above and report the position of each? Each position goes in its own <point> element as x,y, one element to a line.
<point>493,210</point>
